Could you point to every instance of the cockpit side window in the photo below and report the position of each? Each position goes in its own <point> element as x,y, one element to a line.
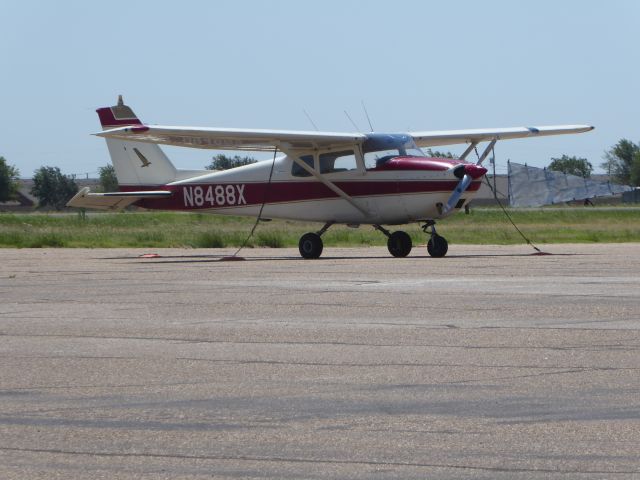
<point>338,161</point>
<point>298,171</point>
<point>375,159</point>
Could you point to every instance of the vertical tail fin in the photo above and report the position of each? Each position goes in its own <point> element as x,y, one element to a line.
<point>135,163</point>
<point>119,115</point>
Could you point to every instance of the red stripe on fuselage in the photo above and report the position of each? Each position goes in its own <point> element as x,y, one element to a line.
<point>238,194</point>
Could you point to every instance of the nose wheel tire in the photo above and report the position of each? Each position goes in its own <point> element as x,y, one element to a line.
<point>437,246</point>
<point>399,244</point>
<point>310,246</point>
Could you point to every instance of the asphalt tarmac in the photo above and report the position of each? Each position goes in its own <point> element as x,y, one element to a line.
<point>490,363</point>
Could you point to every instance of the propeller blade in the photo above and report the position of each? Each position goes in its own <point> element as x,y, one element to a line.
<point>457,193</point>
<point>471,173</point>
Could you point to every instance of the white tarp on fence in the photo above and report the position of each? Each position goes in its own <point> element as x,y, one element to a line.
<point>534,187</point>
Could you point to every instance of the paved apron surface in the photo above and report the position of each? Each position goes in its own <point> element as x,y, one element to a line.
<point>490,363</point>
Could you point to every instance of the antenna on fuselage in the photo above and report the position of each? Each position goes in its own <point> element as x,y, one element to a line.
<point>311,120</point>
<point>351,120</point>
<point>367,114</point>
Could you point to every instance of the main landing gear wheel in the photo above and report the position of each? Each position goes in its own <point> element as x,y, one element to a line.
<point>437,246</point>
<point>310,246</point>
<point>399,244</point>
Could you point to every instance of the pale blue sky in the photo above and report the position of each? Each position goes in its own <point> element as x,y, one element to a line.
<point>418,65</point>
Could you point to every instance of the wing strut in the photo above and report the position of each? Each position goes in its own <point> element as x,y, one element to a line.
<point>486,151</point>
<point>468,150</point>
<point>337,190</point>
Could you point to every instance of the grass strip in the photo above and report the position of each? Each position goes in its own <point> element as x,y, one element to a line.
<point>193,230</point>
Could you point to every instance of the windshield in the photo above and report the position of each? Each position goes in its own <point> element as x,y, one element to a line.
<point>380,147</point>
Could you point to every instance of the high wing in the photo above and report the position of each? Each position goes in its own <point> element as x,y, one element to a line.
<point>233,139</point>
<point>111,201</point>
<point>286,140</point>
<point>452,137</point>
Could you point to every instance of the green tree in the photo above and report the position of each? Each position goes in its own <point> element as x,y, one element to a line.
<point>437,154</point>
<point>579,167</point>
<point>108,179</point>
<point>224,162</point>
<point>634,174</point>
<point>52,188</point>
<point>621,162</point>
<point>9,182</point>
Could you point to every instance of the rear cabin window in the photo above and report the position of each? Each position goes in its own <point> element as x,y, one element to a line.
<point>298,171</point>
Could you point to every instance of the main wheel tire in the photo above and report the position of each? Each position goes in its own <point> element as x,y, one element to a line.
<point>437,246</point>
<point>310,245</point>
<point>399,244</point>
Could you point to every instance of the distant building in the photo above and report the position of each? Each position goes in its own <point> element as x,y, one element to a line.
<point>485,197</point>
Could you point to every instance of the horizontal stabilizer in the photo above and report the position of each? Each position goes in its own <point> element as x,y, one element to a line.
<point>112,200</point>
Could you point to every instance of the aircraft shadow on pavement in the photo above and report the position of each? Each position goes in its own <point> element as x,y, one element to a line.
<point>228,258</point>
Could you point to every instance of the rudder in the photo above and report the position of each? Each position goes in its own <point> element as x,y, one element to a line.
<point>135,163</point>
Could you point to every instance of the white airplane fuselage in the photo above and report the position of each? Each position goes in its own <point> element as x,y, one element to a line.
<point>387,196</point>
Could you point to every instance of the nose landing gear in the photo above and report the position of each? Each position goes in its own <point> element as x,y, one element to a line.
<point>437,246</point>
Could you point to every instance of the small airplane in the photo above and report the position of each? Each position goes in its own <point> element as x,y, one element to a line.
<point>334,178</point>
